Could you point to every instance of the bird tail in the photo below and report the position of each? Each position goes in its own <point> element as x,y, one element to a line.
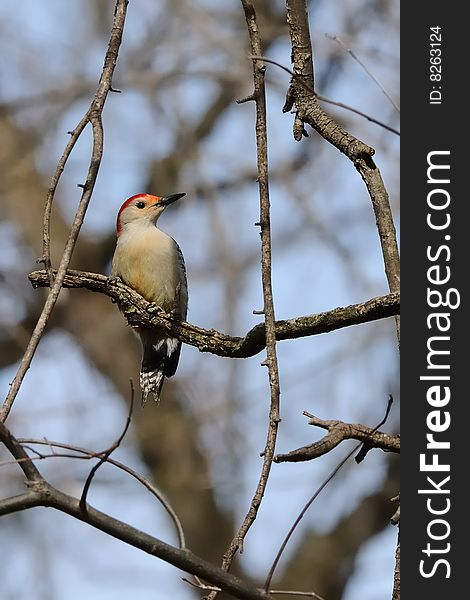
<point>152,371</point>
<point>159,360</point>
<point>151,383</point>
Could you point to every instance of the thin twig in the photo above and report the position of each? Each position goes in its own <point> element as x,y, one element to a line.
<point>89,454</point>
<point>107,453</point>
<point>211,588</point>
<point>338,431</point>
<point>358,112</point>
<point>266,261</point>
<point>200,585</point>
<point>295,593</point>
<point>340,465</point>
<point>41,456</point>
<point>259,96</point>
<point>46,243</point>
<point>20,455</point>
<point>139,312</point>
<point>370,441</point>
<point>335,38</point>
<point>323,98</point>
<point>93,116</point>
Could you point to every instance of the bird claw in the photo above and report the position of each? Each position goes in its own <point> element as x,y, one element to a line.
<point>112,280</point>
<point>153,308</point>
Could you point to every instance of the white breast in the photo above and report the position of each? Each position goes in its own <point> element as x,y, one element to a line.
<point>149,261</point>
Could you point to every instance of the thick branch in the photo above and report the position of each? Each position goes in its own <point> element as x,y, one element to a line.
<point>300,94</point>
<point>339,431</point>
<point>183,559</point>
<point>139,312</point>
<point>21,502</point>
<point>301,56</point>
<point>308,111</point>
<point>41,493</point>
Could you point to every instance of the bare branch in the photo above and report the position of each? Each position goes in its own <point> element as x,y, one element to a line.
<point>19,454</point>
<point>324,99</point>
<point>308,111</point>
<point>259,96</point>
<point>107,453</point>
<point>92,116</point>
<point>88,454</point>
<point>299,92</point>
<point>338,431</point>
<point>357,112</point>
<point>268,309</point>
<point>21,502</point>
<point>396,574</point>
<point>41,493</point>
<point>338,467</point>
<point>139,312</point>
<point>182,559</point>
<point>335,38</point>
<point>313,595</point>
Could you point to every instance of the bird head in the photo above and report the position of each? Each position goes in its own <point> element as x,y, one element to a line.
<point>143,208</point>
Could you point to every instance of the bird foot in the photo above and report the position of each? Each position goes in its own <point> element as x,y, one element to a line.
<point>153,308</point>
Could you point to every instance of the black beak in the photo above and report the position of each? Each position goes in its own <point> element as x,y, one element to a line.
<point>170,199</point>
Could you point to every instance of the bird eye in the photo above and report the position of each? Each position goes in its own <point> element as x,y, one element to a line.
<point>140,204</point>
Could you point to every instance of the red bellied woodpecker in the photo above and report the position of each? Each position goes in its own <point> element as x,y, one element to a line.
<point>150,261</point>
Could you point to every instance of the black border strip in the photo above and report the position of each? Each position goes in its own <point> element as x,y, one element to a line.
<point>435,252</point>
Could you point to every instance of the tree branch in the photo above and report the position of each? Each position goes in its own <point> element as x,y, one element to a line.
<point>259,96</point>
<point>396,573</point>
<point>21,502</point>
<point>41,493</point>
<point>92,116</point>
<point>309,111</point>
<point>327,100</point>
<point>107,453</point>
<point>182,559</point>
<point>19,454</point>
<point>86,454</point>
<point>333,474</point>
<point>339,431</point>
<point>139,312</point>
<point>356,58</point>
